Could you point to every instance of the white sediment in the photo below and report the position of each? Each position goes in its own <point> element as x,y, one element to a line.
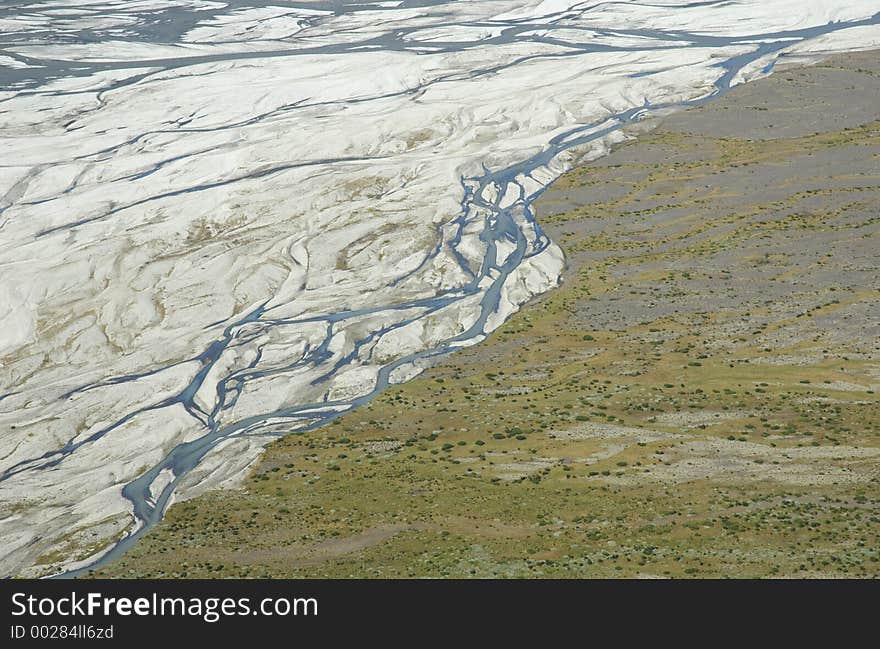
<point>156,187</point>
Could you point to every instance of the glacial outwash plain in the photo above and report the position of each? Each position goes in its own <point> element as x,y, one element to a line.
<point>698,398</point>
<point>233,233</point>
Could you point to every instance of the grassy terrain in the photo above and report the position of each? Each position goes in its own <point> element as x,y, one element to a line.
<point>698,399</point>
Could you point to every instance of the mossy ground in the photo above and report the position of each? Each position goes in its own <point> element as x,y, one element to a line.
<point>696,400</point>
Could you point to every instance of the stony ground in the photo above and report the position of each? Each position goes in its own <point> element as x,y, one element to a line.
<point>697,399</point>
